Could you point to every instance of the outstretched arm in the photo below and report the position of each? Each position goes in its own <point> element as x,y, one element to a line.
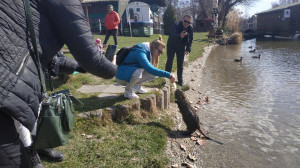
<point>71,25</point>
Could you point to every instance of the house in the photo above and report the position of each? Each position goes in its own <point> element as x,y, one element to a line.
<point>280,21</point>
<point>249,24</point>
<point>142,18</point>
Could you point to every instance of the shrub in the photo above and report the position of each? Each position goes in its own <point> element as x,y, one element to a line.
<point>169,19</point>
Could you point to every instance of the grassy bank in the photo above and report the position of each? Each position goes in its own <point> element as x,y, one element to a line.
<point>139,141</point>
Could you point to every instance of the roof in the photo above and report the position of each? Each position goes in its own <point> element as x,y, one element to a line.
<point>279,8</point>
<point>160,3</point>
<point>92,1</point>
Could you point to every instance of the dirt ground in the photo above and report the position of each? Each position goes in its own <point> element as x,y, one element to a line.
<point>182,150</point>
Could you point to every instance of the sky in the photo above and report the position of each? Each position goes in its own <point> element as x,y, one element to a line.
<point>258,6</point>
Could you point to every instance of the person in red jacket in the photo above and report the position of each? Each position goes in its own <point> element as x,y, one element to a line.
<point>112,21</point>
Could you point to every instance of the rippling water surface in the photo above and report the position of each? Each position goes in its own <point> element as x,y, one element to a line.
<point>257,99</point>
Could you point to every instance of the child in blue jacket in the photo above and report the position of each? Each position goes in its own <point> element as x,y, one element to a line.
<point>140,65</point>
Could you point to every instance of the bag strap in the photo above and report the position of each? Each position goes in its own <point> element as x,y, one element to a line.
<point>34,44</point>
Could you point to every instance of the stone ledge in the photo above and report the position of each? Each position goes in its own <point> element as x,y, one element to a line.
<point>149,104</point>
<point>89,114</point>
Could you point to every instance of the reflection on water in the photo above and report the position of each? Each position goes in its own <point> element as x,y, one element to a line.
<point>257,97</point>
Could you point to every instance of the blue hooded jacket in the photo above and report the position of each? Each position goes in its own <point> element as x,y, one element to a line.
<point>139,57</point>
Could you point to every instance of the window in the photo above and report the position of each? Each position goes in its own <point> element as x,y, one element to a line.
<point>138,9</point>
<point>131,13</point>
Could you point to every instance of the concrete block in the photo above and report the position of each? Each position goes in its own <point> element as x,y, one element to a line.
<point>160,100</point>
<point>147,104</point>
<point>166,98</point>
<point>153,97</point>
<point>135,106</point>
<point>120,112</point>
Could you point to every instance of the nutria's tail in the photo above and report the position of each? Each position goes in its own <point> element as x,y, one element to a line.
<point>220,143</point>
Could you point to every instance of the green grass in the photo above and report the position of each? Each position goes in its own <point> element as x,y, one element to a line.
<point>141,144</point>
<point>136,142</point>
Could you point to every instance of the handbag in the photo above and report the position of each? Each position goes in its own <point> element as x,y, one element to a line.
<point>56,118</point>
<point>55,121</point>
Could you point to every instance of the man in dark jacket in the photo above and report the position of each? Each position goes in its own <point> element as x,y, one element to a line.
<point>179,42</point>
<point>20,86</point>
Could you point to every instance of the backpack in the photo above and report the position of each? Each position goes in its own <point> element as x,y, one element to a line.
<point>122,53</point>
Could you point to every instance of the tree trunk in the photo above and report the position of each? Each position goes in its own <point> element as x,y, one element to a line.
<point>203,10</point>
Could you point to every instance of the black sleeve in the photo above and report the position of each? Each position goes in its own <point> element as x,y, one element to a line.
<point>67,65</point>
<point>68,19</point>
<point>191,38</point>
<point>63,64</point>
<point>174,35</point>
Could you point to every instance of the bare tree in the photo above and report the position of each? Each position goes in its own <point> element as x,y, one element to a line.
<point>203,9</point>
<point>226,5</point>
<point>182,7</point>
<point>275,4</point>
<point>233,20</point>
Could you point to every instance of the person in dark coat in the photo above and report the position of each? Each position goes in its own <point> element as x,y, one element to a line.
<point>179,42</point>
<point>20,86</point>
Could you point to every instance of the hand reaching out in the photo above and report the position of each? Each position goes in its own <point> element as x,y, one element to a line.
<point>172,78</point>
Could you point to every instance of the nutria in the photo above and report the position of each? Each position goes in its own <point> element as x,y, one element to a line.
<point>189,114</point>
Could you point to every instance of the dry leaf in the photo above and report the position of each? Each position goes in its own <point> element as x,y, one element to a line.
<point>192,79</point>
<point>200,142</point>
<point>89,136</point>
<point>175,166</point>
<point>191,157</point>
<point>193,138</point>
<point>182,147</point>
<point>98,155</point>
<point>207,99</point>
<point>82,134</point>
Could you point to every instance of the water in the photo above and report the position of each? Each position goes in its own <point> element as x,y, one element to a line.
<point>255,103</point>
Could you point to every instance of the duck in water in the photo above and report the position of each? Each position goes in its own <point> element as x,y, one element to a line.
<point>256,56</point>
<point>238,60</point>
<point>252,51</point>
